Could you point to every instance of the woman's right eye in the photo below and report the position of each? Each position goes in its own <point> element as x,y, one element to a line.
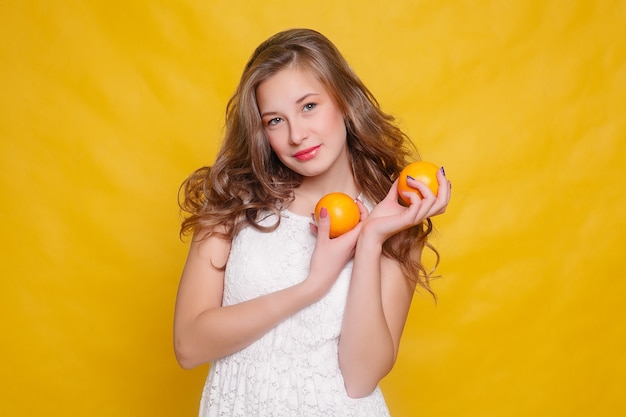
<point>274,121</point>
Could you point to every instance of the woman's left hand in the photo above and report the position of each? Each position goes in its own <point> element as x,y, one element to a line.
<point>390,217</point>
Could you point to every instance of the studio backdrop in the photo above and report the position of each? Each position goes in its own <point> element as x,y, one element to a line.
<point>106,106</point>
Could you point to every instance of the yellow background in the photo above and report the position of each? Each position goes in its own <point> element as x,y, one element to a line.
<point>105,107</point>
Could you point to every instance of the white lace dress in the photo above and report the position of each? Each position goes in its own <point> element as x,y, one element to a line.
<point>292,370</point>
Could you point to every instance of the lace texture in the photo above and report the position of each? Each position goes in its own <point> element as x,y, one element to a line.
<point>292,370</point>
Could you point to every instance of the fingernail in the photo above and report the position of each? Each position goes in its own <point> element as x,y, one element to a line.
<point>410,177</point>
<point>323,213</point>
<point>443,171</point>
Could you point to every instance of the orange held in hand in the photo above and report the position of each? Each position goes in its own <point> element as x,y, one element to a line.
<point>423,171</point>
<point>343,212</point>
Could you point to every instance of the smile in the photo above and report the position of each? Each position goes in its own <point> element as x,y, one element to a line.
<point>306,154</point>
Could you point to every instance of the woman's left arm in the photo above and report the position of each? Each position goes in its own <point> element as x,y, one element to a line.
<point>380,295</point>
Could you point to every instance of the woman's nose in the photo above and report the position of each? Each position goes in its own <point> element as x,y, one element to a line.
<point>297,133</point>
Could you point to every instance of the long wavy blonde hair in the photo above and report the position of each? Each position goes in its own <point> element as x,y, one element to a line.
<point>247,178</point>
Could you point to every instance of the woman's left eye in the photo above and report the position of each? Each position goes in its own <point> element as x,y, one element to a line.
<point>309,106</point>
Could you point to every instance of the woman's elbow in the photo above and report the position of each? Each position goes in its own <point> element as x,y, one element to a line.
<point>185,363</point>
<point>186,355</point>
<point>363,381</point>
<point>359,390</point>
<point>183,358</point>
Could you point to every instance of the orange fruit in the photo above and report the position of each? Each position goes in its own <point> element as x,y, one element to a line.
<point>423,171</point>
<point>343,212</point>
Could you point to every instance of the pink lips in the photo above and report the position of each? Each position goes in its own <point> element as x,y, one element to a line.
<point>306,154</point>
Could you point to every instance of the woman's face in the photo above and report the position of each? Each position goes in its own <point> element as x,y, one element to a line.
<point>302,122</point>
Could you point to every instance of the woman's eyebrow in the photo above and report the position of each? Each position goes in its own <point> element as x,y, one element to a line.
<point>306,96</point>
<point>298,101</point>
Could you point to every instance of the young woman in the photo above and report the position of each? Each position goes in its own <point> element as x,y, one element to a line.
<point>295,323</point>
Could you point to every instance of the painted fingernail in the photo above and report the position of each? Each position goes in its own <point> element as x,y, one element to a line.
<point>323,213</point>
<point>408,177</point>
<point>443,171</point>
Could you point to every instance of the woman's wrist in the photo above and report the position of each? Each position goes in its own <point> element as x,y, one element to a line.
<point>312,290</point>
<point>370,238</point>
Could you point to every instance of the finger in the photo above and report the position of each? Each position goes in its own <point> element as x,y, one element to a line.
<point>392,194</point>
<point>431,204</point>
<point>362,210</point>
<point>423,189</point>
<point>413,197</point>
<point>444,194</point>
<point>427,205</point>
<point>445,185</point>
<point>394,187</point>
<point>323,223</point>
<point>419,207</point>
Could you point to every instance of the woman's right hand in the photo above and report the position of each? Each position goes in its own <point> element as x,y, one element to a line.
<point>331,254</point>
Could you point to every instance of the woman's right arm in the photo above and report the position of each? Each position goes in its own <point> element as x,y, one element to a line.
<point>204,330</point>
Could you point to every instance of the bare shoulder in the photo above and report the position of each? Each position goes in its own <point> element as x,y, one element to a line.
<point>202,280</point>
<point>209,248</point>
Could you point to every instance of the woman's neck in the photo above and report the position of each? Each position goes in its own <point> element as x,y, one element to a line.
<point>312,189</point>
